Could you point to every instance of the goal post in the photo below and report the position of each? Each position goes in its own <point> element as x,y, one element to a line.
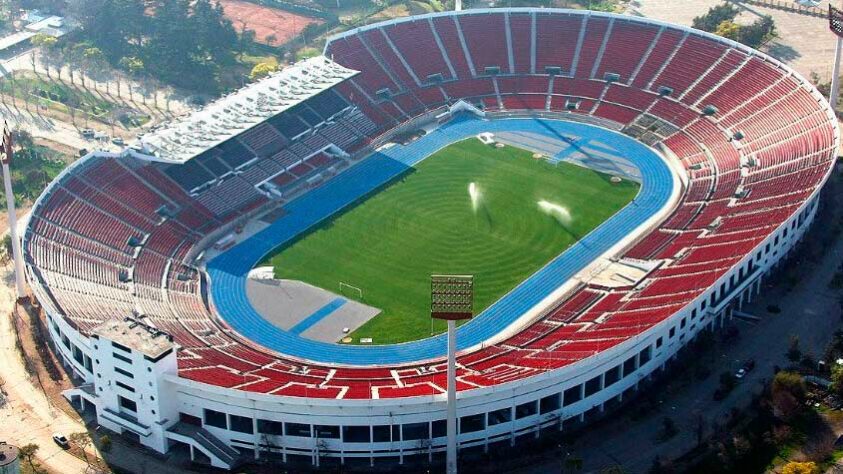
<point>354,289</point>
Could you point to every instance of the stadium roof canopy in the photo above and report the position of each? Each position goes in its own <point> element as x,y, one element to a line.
<point>233,114</point>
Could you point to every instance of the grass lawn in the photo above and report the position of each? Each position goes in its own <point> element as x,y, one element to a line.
<point>391,243</point>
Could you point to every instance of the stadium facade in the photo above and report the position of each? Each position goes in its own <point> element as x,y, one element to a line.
<point>115,246</point>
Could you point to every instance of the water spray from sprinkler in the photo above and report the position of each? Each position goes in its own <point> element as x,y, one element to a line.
<point>557,211</point>
<point>474,194</point>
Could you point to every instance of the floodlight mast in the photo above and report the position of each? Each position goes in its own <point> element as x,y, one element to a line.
<point>835,24</point>
<point>451,299</point>
<point>6,157</point>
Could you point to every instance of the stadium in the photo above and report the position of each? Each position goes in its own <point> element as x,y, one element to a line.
<point>692,166</point>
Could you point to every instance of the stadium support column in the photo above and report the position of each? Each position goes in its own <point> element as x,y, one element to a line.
<point>451,299</point>
<point>5,158</point>
<point>451,454</point>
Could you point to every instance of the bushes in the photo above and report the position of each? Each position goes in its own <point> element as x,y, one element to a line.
<point>720,20</point>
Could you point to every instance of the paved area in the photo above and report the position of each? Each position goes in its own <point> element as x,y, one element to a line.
<point>27,416</point>
<point>804,42</point>
<point>313,313</point>
<point>577,150</point>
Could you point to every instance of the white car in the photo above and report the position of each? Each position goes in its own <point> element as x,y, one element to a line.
<point>61,440</point>
<point>740,374</point>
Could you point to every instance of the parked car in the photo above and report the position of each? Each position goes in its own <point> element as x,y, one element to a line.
<point>88,133</point>
<point>749,365</point>
<point>741,373</point>
<point>118,141</point>
<point>61,440</point>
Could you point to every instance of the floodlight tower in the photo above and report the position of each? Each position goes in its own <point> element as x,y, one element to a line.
<point>835,23</point>
<point>5,158</point>
<point>451,299</point>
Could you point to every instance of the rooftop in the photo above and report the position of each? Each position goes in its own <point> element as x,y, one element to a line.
<point>235,113</point>
<point>136,336</point>
<point>8,454</point>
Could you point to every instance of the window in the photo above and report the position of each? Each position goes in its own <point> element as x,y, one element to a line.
<point>645,355</point>
<point>693,316</point>
<point>382,433</point>
<point>121,347</point>
<point>682,323</point>
<point>525,409</point>
<point>327,431</point>
<point>439,428</point>
<point>124,386</point>
<point>611,376</point>
<point>672,332</point>
<point>241,424</point>
<point>216,419</point>
<point>660,341</point>
<point>572,395</point>
<point>355,434</point>
<point>127,404</point>
<point>413,431</point>
<point>472,423</point>
<point>629,366</point>
<point>122,372</point>
<point>120,357</point>
<point>272,427</point>
<point>500,416</point>
<point>297,429</point>
<point>592,386</point>
<point>550,403</point>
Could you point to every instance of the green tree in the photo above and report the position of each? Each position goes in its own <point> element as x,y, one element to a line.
<point>758,33</point>
<point>837,379</point>
<point>716,15</point>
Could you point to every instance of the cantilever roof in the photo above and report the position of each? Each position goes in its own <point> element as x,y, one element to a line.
<point>235,113</point>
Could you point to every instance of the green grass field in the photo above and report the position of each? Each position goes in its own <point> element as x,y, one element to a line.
<point>391,243</point>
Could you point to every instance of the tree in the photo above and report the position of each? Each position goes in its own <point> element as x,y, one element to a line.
<point>262,70</point>
<point>794,467</point>
<point>758,32</point>
<point>837,379</point>
<point>82,440</point>
<point>105,443</point>
<point>793,351</point>
<point>788,394</point>
<point>728,29</point>
<point>27,452</point>
<point>715,16</point>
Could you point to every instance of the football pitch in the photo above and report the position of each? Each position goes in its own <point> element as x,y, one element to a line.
<point>470,208</point>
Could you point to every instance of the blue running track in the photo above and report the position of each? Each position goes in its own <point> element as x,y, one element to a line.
<point>228,271</point>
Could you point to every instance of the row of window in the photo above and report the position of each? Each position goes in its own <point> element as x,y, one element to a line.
<point>427,430</point>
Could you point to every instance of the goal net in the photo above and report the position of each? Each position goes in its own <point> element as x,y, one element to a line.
<point>350,290</point>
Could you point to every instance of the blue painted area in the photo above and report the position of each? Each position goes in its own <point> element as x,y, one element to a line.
<point>228,271</point>
<point>318,315</point>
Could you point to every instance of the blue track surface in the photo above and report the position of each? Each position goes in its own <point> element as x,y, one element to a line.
<point>228,271</point>
<point>318,315</point>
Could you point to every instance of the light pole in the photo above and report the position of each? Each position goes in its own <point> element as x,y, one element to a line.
<point>5,157</point>
<point>835,23</point>
<point>451,299</point>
